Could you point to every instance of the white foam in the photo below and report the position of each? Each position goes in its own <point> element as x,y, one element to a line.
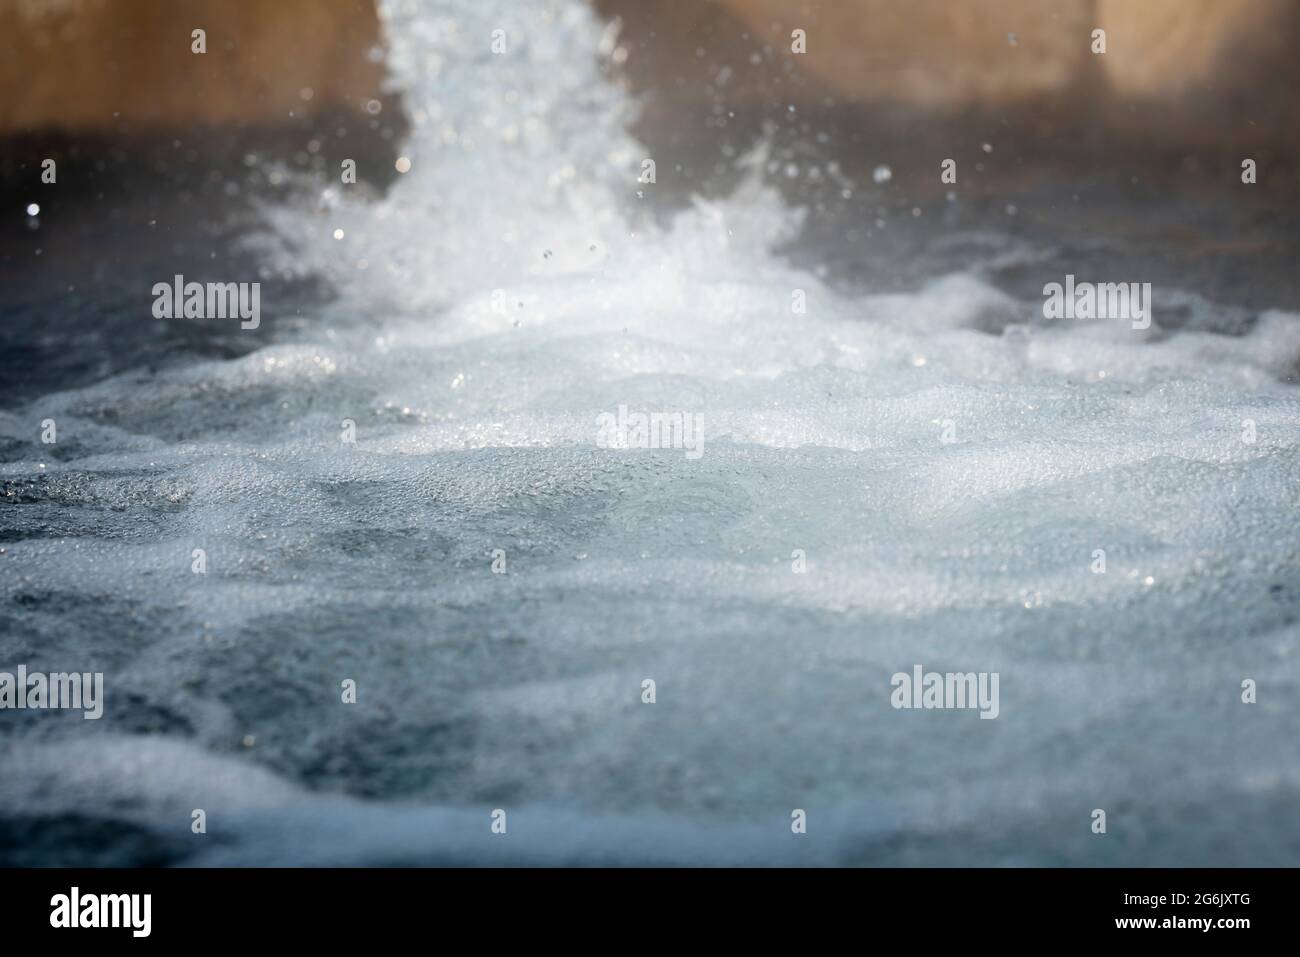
<point>477,429</point>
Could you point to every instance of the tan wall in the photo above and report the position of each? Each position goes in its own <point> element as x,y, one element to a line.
<point>1166,48</point>
<point>73,64</point>
<point>934,53</point>
<point>1204,70</point>
<point>1176,74</point>
<point>956,52</point>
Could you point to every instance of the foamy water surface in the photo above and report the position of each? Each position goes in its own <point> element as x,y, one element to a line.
<point>505,293</point>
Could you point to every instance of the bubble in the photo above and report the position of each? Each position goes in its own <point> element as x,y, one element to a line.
<point>824,433</point>
<point>882,174</point>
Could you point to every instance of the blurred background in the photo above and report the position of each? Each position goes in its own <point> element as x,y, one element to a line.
<point>164,154</point>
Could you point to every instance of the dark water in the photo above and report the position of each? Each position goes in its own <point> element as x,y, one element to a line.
<point>479,315</point>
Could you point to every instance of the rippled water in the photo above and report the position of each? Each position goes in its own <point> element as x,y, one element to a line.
<point>946,460</point>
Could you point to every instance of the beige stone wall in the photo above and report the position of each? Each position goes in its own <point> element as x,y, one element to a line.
<point>1197,70</point>
<point>74,64</point>
<point>932,53</point>
<point>956,52</point>
<point>1177,73</point>
<point>1168,48</point>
